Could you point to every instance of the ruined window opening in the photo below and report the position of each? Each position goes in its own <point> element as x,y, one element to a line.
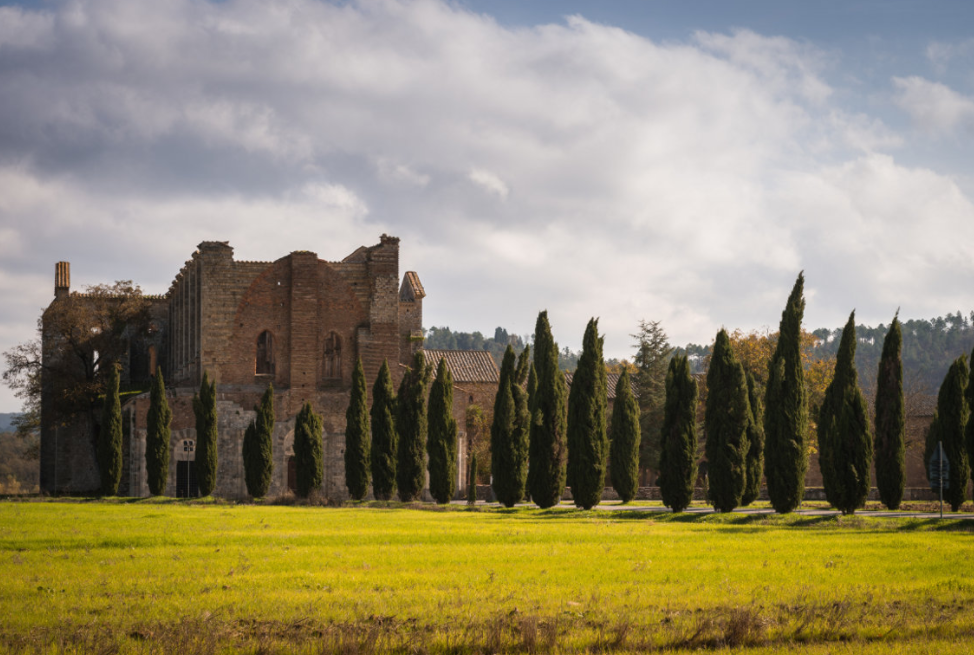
<point>333,357</point>
<point>265,353</point>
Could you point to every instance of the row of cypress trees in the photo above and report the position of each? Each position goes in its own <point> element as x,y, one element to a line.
<point>544,437</point>
<point>406,438</point>
<point>740,429</point>
<point>257,443</point>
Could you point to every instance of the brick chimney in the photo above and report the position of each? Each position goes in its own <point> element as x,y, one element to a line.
<point>62,279</point>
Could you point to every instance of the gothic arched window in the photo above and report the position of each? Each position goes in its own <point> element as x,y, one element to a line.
<point>333,357</point>
<point>265,353</point>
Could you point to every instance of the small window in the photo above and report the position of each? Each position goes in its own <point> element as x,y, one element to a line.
<point>265,353</point>
<point>333,357</point>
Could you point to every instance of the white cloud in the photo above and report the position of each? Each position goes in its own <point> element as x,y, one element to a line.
<point>489,182</point>
<point>933,106</point>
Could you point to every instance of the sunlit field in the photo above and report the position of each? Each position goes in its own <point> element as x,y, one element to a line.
<point>201,577</point>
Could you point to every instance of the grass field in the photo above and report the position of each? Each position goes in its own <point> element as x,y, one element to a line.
<point>166,576</point>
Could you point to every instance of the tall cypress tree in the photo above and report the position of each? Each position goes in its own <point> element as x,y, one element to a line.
<point>948,426</point>
<point>157,437</point>
<point>970,421</point>
<point>755,444</point>
<point>504,467</point>
<point>358,441</point>
<point>204,408</point>
<point>472,479</point>
<point>728,415</point>
<point>786,410</point>
<point>546,468</point>
<point>520,437</point>
<point>110,437</point>
<point>442,444</point>
<point>678,439</point>
<point>258,449</point>
<point>890,443</point>
<point>588,445</point>
<point>385,439</point>
<point>624,438</point>
<point>845,445</point>
<point>411,424</point>
<point>307,451</point>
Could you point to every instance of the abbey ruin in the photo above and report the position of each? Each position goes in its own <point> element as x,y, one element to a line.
<point>298,323</point>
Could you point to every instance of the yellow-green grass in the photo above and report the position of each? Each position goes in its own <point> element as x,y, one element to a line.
<point>160,576</point>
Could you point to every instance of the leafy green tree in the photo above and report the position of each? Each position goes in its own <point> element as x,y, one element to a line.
<point>755,444</point>
<point>653,353</point>
<point>786,411</point>
<point>204,408</point>
<point>110,437</point>
<point>678,439</point>
<point>358,441</point>
<point>624,440</point>
<point>949,423</point>
<point>157,437</point>
<point>509,432</point>
<point>258,449</point>
<point>728,415</point>
<point>472,480</point>
<point>588,445</point>
<point>308,471</point>
<point>890,436</point>
<point>845,445</point>
<point>385,438</point>
<point>442,444</point>
<point>411,424</point>
<point>547,454</point>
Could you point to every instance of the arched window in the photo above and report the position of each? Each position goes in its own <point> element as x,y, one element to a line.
<point>333,357</point>
<point>265,353</point>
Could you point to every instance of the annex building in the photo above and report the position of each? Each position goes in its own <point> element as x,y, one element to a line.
<point>298,323</point>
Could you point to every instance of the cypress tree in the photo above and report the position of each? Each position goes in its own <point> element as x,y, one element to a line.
<point>890,444</point>
<point>204,408</point>
<point>385,439</point>
<point>110,437</point>
<point>970,422</point>
<point>520,391</point>
<point>786,411</point>
<point>502,431</point>
<point>157,437</point>
<point>257,447</point>
<point>588,445</point>
<point>546,469</point>
<point>358,442</point>
<point>411,424</point>
<point>442,444</point>
<point>472,479</point>
<point>678,439</point>
<point>950,421</point>
<point>624,440</point>
<point>728,415</point>
<point>845,445</point>
<point>307,451</point>
<point>755,444</point>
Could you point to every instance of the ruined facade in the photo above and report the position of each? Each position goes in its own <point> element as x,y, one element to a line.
<point>298,323</point>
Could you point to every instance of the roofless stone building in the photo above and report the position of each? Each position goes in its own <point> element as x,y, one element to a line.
<point>298,322</point>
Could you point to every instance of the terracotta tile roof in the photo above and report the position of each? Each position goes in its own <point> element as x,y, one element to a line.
<point>413,279</point>
<point>611,378</point>
<point>466,365</point>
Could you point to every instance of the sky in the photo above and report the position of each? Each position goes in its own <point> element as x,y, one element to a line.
<point>668,161</point>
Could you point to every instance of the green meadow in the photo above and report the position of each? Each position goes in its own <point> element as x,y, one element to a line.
<point>163,576</point>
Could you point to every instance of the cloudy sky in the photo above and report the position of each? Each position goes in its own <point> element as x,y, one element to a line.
<point>666,160</point>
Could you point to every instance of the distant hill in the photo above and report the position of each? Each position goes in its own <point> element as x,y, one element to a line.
<point>6,421</point>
